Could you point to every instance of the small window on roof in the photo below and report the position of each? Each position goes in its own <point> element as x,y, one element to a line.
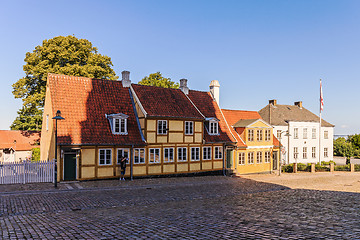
<point>213,126</point>
<point>118,123</point>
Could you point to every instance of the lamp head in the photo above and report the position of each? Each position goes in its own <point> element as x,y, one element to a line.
<point>58,115</point>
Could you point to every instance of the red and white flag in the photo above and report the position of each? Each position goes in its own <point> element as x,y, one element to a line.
<point>321,98</point>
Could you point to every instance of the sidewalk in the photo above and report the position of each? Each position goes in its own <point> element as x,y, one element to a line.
<point>108,184</point>
<point>336,181</point>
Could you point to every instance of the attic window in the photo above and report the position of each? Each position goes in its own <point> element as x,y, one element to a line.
<point>118,123</point>
<point>213,126</point>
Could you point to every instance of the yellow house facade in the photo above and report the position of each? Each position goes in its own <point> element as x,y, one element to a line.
<point>256,150</point>
<point>161,131</point>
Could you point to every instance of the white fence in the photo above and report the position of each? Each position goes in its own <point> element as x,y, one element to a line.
<point>26,172</point>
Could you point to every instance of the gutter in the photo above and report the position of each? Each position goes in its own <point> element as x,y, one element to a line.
<point>136,116</point>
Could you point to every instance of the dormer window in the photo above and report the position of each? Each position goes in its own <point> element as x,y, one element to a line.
<point>118,123</point>
<point>213,126</point>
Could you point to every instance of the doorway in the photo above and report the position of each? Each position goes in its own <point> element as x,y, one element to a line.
<point>69,166</point>
<point>275,160</point>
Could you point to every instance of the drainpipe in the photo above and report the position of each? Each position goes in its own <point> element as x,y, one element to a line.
<point>224,172</point>
<point>131,162</point>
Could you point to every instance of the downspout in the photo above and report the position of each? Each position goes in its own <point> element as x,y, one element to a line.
<point>224,172</point>
<point>141,134</point>
<point>131,162</point>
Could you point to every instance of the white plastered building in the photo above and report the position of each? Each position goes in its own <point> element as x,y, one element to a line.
<point>305,144</point>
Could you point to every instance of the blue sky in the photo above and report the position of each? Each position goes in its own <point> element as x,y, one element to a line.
<point>257,50</point>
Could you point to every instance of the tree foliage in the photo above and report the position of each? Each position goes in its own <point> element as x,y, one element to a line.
<point>62,55</point>
<point>355,141</point>
<point>35,154</point>
<point>343,148</point>
<point>156,79</point>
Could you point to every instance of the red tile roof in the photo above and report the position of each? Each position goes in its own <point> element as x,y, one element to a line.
<point>209,108</point>
<point>233,116</point>
<point>83,103</point>
<point>25,140</point>
<point>165,102</point>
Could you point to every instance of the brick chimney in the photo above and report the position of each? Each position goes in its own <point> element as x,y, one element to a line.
<point>215,90</point>
<point>299,104</point>
<point>126,82</point>
<point>183,86</point>
<point>273,102</point>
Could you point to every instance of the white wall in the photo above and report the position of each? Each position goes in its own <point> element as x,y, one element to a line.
<point>290,142</point>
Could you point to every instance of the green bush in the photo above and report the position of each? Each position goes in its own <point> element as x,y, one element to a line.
<point>342,168</point>
<point>304,167</point>
<point>327,163</point>
<point>357,167</point>
<point>321,168</point>
<point>289,168</point>
<point>35,154</point>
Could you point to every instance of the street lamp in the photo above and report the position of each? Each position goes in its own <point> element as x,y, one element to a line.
<point>57,117</point>
<point>280,160</point>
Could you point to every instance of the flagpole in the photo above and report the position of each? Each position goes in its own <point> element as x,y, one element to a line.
<point>320,109</point>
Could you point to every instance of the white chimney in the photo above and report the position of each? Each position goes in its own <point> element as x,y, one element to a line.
<point>183,86</point>
<point>125,78</point>
<point>215,90</point>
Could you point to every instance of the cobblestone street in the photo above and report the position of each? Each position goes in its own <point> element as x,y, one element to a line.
<point>186,208</point>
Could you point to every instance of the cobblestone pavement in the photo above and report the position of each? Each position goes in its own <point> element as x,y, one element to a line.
<point>209,207</point>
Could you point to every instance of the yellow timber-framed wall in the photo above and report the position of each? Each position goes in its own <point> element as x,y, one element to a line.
<point>255,146</point>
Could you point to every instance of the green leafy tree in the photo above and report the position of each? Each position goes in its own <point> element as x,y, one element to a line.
<point>35,154</point>
<point>156,79</point>
<point>62,55</point>
<point>354,140</point>
<point>343,148</point>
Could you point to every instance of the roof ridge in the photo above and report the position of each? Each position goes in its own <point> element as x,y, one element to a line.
<point>89,78</point>
<point>235,110</point>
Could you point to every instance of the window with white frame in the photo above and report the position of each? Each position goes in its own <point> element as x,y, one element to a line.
<point>195,154</point>
<point>250,135</point>
<point>278,133</point>
<point>213,127</point>
<point>189,127</point>
<point>313,152</point>
<point>218,152</point>
<point>326,152</point>
<point>241,158</point>
<point>259,157</point>
<point>162,127</point>
<point>304,152</point>
<point>206,153</point>
<point>296,133</point>
<point>154,155</point>
<point>326,134</point>
<point>305,133</point>
<point>182,154</point>
<point>267,156</point>
<point>314,133</point>
<point>168,154</point>
<point>139,155</point>
<point>118,123</point>
<point>250,157</point>
<point>267,135</point>
<point>296,153</point>
<point>122,152</point>
<point>105,156</point>
<point>259,135</point>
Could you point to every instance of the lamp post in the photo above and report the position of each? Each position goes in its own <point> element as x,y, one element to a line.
<point>280,158</point>
<point>57,117</point>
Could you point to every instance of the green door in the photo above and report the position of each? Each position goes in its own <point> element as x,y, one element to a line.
<point>229,158</point>
<point>69,167</point>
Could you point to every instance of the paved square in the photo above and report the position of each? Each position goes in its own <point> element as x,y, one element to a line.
<point>211,207</point>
